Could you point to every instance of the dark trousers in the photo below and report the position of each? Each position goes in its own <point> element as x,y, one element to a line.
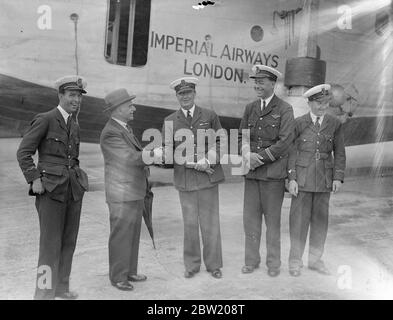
<point>201,209</point>
<point>125,229</point>
<point>263,198</point>
<point>59,226</point>
<point>308,210</point>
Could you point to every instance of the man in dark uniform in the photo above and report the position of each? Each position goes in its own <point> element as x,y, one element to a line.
<point>316,167</point>
<point>270,121</point>
<point>58,184</point>
<point>197,178</point>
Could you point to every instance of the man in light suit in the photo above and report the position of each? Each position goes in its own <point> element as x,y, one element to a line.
<point>196,179</point>
<point>125,188</point>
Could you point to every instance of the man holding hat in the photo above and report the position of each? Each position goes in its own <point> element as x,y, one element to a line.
<point>58,184</point>
<point>125,188</point>
<point>316,168</point>
<point>270,123</point>
<point>196,179</point>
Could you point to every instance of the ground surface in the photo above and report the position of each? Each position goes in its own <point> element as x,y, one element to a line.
<point>358,249</point>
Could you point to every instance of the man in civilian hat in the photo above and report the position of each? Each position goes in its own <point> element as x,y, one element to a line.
<point>316,168</point>
<point>196,179</point>
<point>270,121</point>
<point>58,184</point>
<point>125,188</point>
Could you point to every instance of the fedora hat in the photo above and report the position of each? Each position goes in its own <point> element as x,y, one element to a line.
<point>116,98</point>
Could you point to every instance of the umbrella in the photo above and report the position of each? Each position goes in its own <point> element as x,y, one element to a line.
<point>147,212</point>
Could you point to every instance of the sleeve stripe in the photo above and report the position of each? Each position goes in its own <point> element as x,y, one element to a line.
<point>270,155</point>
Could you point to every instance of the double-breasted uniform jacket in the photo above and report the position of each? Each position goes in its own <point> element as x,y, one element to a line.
<point>58,152</point>
<point>271,134</point>
<point>185,178</point>
<point>125,172</point>
<point>317,157</point>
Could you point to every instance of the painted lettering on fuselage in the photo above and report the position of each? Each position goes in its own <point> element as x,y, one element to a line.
<point>220,59</point>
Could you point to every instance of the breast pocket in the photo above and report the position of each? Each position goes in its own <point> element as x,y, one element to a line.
<point>251,125</point>
<point>329,142</point>
<point>271,128</point>
<point>306,143</point>
<point>56,143</point>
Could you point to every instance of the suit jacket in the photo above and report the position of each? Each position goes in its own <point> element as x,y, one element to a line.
<point>58,152</point>
<point>311,174</point>
<point>189,179</point>
<point>271,134</point>
<point>125,172</point>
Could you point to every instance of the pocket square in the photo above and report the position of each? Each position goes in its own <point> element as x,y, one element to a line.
<point>276,116</point>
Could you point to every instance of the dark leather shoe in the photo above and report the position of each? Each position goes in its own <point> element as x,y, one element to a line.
<point>216,274</point>
<point>69,295</point>
<point>137,277</point>
<point>190,274</point>
<point>123,285</point>
<point>249,269</point>
<point>295,272</point>
<point>320,269</point>
<point>273,272</point>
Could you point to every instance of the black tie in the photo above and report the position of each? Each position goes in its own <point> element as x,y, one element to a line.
<point>69,123</point>
<point>263,105</point>
<point>129,128</point>
<point>317,125</point>
<point>189,117</point>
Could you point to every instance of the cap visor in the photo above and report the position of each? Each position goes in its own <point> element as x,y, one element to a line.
<point>274,78</point>
<point>185,90</point>
<point>74,88</point>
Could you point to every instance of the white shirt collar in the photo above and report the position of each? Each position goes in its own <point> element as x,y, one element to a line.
<point>267,100</point>
<point>191,110</point>
<point>122,123</point>
<point>314,118</point>
<point>64,113</point>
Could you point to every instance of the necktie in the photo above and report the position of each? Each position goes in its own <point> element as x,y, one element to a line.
<point>317,125</point>
<point>189,117</point>
<point>133,136</point>
<point>69,123</point>
<point>263,105</point>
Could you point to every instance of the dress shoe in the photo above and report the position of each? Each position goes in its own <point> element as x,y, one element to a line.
<point>249,269</point>
<point>216,274</point>
<point>69,295</point>
<point>273,272</point>
<point>190,274</point>
<point>295,272</point>
<point>123,285</point>
<point>320,269</point>
<point>137,277</point>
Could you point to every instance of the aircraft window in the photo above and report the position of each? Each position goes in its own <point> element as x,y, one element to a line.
<point>127,32</point>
